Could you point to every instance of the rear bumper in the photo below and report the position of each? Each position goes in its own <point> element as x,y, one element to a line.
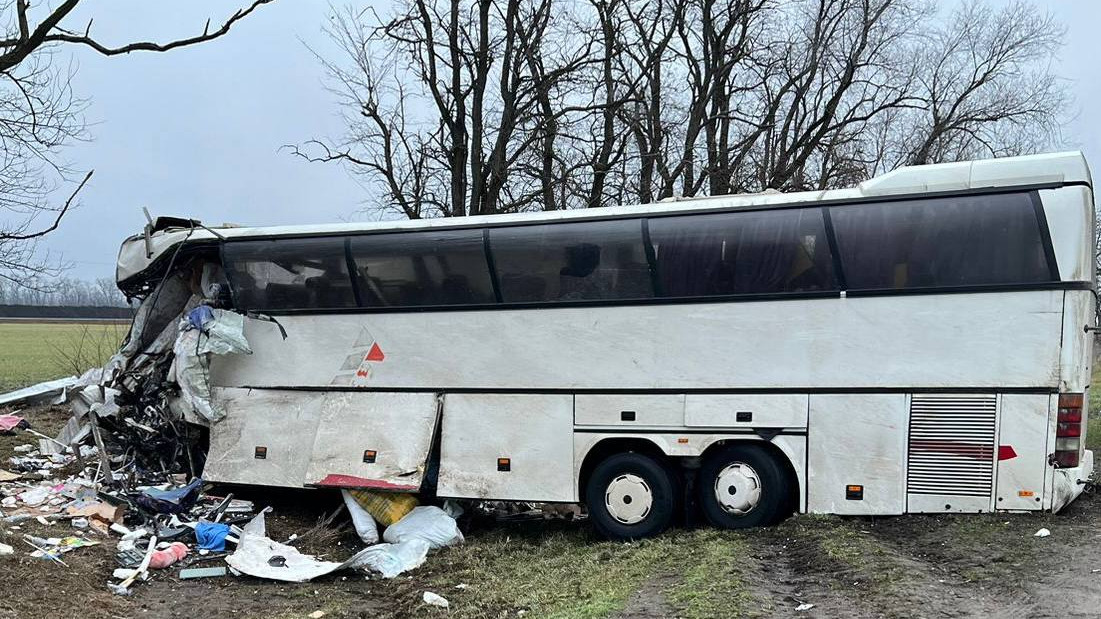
<point>1069,483</point>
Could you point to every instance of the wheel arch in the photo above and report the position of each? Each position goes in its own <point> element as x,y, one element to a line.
<point>610,446</point>
<point>795,488</point>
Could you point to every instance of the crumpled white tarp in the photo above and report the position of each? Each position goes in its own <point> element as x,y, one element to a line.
<point>424,529</point>
<point>223,333</point>
<point>255,551</point>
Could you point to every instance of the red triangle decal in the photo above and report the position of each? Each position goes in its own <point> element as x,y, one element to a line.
<point>375,354</point>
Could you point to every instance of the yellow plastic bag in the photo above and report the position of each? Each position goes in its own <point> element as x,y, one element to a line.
<point>385,507</point>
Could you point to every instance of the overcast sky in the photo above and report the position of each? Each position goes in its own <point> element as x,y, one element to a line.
<point>197,132</point>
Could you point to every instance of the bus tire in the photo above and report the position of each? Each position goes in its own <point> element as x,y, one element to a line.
<point>742,486</point>
<point>631,496</point>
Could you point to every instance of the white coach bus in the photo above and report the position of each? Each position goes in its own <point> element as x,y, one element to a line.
<point>919,343</point>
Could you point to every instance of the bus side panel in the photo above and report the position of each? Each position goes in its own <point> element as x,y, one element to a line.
<point>857,440</point>
<point>373,440</point>
<point>1069,213</point>
<point>265,438</point>
<point>533,431</point>
<point>1076,356</point>
<point>994,340</point>
<point>1022,451</point>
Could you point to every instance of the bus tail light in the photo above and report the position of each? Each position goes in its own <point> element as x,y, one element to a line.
<point>1068,432</point>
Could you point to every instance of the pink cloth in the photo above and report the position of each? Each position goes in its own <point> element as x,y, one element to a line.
<point>9,422</point>
<point>163,558</point>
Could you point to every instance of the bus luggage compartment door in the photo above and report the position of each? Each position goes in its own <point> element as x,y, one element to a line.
<point>376,440</point>
<point>507,446</point>
<point>265,438</point>
<point>856,452</point>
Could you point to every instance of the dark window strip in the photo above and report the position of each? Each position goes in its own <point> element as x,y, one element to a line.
<point>750,298</point>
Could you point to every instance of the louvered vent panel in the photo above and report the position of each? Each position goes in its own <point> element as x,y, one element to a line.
<point>951,445</point>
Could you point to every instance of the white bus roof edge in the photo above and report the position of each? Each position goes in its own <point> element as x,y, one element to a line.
<point>1059,167</point>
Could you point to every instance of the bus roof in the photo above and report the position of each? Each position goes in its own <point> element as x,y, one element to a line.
<point>139,253</point>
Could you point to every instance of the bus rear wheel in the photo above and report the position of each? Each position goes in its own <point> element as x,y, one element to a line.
<point>630,496</point>
<point>742,486</point>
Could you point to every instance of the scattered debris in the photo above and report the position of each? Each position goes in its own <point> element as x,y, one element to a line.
<point>50,392</point>
<point>433,599</point>
<point>211,535</point>
<point>317,614</point>
<point>128,464</point>
<point>385,507</point>
<point>168,556</point>
<point>364,524</point>
<point>804,607</point>
<point>8,423</point>
<point>202,572</point>
<point>1042,533</point>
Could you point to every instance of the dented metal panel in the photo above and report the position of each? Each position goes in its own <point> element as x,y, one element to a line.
<point>533,433</point>
<point>373,440</point>
<point>265,438</point>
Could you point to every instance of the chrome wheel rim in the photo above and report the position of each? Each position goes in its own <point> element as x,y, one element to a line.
<point>628,499</point>
<point>738,489</point>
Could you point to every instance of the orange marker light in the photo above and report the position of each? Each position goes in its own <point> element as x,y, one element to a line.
<point>1025,493</point>
<point>682,441</point>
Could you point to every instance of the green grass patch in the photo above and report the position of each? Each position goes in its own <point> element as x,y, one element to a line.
<point>34,352</point>
<point>1093,433</point>
<point>562,571</point>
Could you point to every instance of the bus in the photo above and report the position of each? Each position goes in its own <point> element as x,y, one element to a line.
<point>919,343</point>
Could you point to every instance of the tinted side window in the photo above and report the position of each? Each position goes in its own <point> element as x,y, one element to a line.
<point>742,253</point>
<point>422,268</point>
<point>289,274</point>
<point>956,241</point>
<point>571,261</point>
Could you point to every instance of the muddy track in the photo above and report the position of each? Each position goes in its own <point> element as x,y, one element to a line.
<point>933,566</point>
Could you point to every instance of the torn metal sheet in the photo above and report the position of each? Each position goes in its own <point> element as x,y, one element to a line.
<point>52,391</point>
<point>205,332</point>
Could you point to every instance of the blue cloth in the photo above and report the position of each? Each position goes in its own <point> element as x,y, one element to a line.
<point>174,501</point>
<point>211,535</point>
<point>200,316</point>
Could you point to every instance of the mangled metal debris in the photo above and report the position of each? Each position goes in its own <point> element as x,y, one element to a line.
<point>129,461</point>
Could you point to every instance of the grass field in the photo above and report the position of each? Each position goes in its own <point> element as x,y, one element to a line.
<point>34,352</point>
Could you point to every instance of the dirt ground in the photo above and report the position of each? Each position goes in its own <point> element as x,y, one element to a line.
<point>913,566</point>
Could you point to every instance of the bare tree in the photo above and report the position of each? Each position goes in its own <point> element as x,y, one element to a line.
<point>40,114</point>
<point>503,106</point>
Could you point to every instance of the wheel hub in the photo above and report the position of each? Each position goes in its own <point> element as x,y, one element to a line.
<point>628,499</point>
<point>738,488</point>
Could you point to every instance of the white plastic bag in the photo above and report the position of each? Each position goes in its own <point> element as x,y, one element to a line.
<point>428,523</point>
<point>389,560</point>
<point>365,525</point>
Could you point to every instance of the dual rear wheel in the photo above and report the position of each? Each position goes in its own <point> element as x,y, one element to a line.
<point>633,495</point>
